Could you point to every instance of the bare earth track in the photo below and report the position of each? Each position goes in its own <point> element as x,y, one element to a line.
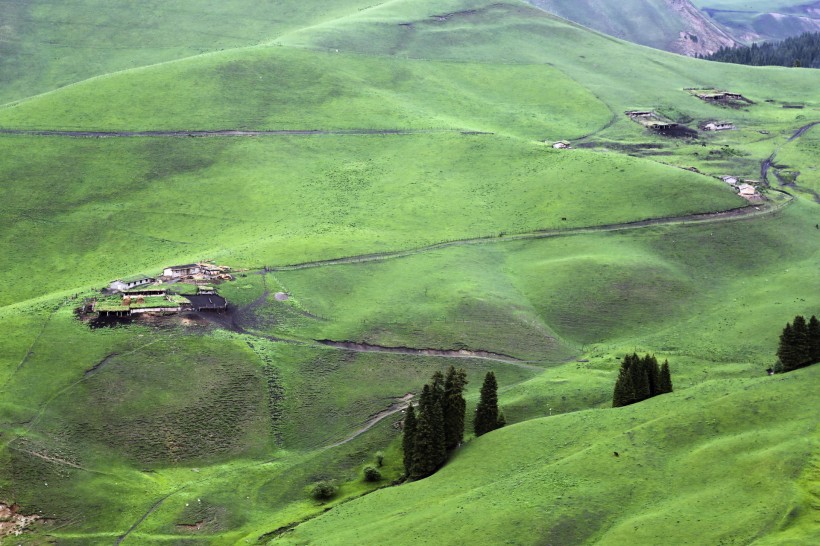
<point>748,211</point>
<point>229,133</point>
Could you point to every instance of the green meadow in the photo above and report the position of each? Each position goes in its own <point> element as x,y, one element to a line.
<point>401,188</point>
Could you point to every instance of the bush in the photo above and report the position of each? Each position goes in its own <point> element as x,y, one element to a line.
<point>372,474</point>
<point>379,459</point>
<point>323,490</point>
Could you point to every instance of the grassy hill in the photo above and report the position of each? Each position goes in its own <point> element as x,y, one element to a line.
<point>46,45</point>
<point>388,171</point>
<point>603,477</point>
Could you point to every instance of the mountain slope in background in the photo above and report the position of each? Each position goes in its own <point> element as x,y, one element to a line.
<point>756,20</point>
<point>672,25</point>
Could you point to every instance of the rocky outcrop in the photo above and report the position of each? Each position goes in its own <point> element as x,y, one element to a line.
<point>699,36</point>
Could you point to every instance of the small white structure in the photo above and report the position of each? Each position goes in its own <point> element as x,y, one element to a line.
<point>731,180</point>
<point>127,283</point>
<point>718,126</point>
<point>749,192</point>
<point>562,145</point>
<point>179,271</point>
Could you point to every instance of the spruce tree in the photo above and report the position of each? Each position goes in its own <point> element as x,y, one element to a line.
<point>624,393</point>
<point>801,341</point>
<point>455,407</point>
<point>653,371</point>
<point>437,418</point>
<point>437,388</point>
<point>409,438</point>
<point>665,379</point>
<point>486,412</point>
<point>621,393</point>
<point>428,450</point>
<point>786,349</point>
<point>814,339</point>
<point>640,378</point>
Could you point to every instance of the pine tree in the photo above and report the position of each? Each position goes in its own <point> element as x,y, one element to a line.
<point>437,418</point>
<point>786,350</point>
<point>814,339</point>
<point>437,388</point>
<point>486,412</point>
<point>653,372</point>
<point>428,450</point>
<point>640,378</point>
<point>665,379</point>
<point>502,420</point>
<point>624,393</point>
<point>801,341</point>
<point>455,407</point>
<point>409,438</point>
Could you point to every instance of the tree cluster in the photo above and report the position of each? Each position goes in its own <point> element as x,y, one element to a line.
<point>803,50</point>
<point>639,379</point>
<point>799,344</point>
<point>438,427</point>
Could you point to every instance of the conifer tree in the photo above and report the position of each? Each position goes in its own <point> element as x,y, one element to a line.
<point>502,420</point>
<point>653,371</point>
<point>814,339</point>
<point>665,379</point>
<point>437,388</point>
<point>486,412</point>
<point>455,407</point>
<point>428,450</point>
<point>640,378</point>
<point>786,350</point>
<point>623,394</point>
<point>409,438</point>
<point>801,341</point>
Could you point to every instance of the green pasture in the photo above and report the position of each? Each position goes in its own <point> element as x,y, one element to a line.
<point>798,162</point>
<point>116,206</point>
<point>275,88</point>
<point>197,430</point>
<point>558,479</point>
<point>46,45</point>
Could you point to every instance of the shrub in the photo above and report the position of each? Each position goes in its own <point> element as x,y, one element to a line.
<point>323,490</point>
<point>372,474</point>
<point>379,459</point>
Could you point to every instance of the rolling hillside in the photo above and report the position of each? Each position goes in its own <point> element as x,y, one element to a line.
<point>381,179</point>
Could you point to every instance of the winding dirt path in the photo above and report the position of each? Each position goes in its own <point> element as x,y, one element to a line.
<point>397,406</point>
<point>767,163</point>
<point>229,133</point>
<point>749,211</point>
<point>446,353</point>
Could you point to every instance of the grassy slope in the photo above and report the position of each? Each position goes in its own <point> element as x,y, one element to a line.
<point>158,197</point>
<point>45,45</point>
<point>291,199</point>
<point>556,480</point>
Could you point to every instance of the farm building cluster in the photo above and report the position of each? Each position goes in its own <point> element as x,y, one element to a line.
<point>718,96</point>
<point>180,288</point>
<point>743,188</point>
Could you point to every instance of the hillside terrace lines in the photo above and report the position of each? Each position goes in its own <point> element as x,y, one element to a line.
<point>748,211</point>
